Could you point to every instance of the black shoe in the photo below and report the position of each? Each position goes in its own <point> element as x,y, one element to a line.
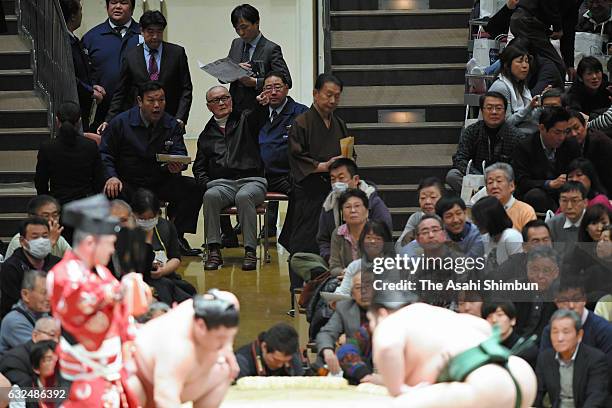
<point>214,260</point>
<point>186,250</point>
<point>229,241</point>
<point>249,263</point>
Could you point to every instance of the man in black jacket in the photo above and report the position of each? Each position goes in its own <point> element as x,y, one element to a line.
<point>490,140</point>
<point>541,160</point>
<point>571,373</point>
<point>155,60</point>
<point>15,364</point>
<point>228,166</point>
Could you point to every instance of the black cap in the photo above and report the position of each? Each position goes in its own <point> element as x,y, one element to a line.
<point>91,215</point>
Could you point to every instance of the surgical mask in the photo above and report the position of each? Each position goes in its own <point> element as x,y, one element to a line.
<point>147,225</point>
<point>39,248</point>
<point>339,188</point>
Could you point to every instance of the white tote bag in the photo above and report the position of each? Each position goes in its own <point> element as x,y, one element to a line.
<point>471,183</point>
<point>486,50</point>
<point>490,7</point>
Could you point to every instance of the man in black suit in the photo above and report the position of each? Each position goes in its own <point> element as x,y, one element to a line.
<point>155,60</point>
<point>571,373</point>
<point>541,160</point>
<point>255,52</point>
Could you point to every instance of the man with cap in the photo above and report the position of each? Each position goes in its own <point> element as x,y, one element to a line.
<point>92,309</point>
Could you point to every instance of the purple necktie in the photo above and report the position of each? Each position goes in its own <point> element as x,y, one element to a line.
<point>153,71</point>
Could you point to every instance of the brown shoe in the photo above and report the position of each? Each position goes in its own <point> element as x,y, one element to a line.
<point>249,263</point>
<point>214,260</point>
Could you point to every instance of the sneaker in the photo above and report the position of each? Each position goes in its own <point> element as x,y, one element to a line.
<point>214,260</point>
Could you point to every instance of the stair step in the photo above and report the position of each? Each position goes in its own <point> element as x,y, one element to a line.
<point>398,19</point>
<point>441,103</point>
<point>405,133</point>
<point>20,109</point>
<point>15,197</point>
<point>400,215</point>
<point>15,176</point>
<point>375,4</point>
<point>14,53</point>
<point>18,160</point>
<point>10,222</point>
<point>11,24</point>
<point>398,195</point>
<point>16,80</point>
<point>401,74</point>
<point>23,138</point>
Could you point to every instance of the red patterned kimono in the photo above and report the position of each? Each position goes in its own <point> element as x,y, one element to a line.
<point>95,324</point>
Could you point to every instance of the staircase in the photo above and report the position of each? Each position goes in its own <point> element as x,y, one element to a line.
<point>403,66</point>
<point>23,126</point>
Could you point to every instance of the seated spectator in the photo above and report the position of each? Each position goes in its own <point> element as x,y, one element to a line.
<point>18,324</point>
<point>275,352</point>
<point>503,315</point>
<point>162,236</point>
<point>582,170</point>
<point>281,111</point>
<point>69,166</point>
<point>489,140</point>
<point>511,83</point>
<point>499,181</point>
<point>595,18</point>
<point>571,373</point>
<point>589,93</point>
<point>540,162</point>
<point>597,332</point>
<point>15,363</point>
<point>595,146</point>
<point>429,192</point>
<point>344,175</point>
<point>375,242</point>
<point>534,233</point>
<point>470,302</point>
<point>43,359</point>
<point>533,315</point>
<point>123,212</point>
<point>350,319</point>
<point>551,97</point>
<point>564,226</point>
<point>48,208</point>
<point>228,166</point>
<point>500,239</point>
<point>129,148</point>
<point>35,253</point>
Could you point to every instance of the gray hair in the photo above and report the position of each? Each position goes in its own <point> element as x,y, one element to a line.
<point>563,314</point>
<point>45,323</point>
<point>542,251</point>
<point>213,88</point>
<point>29,278</point>
<point>505,167</point>
<point>120,203</point>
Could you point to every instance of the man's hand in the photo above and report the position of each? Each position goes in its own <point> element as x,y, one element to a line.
<point>331,360</point>
<point>174,167</point>
<point>98,96</point>
<point>511,4</point>
<point>556,35</point>
<point>263,98</point>
<point>245,65</point>
<point>55,231</point>
<point>93,136</point>
<point>102,128</point>
<point>330,161</point>
<point>113,187</point>
<point>100,89</point>
<point>535,102</point>
<point>558,182</point>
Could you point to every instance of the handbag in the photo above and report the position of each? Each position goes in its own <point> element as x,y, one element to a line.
<point>471,183</point>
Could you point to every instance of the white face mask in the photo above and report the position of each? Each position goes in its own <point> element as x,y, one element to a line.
<point>339,188</point>
<point>147,225</point>
<point>39,248</point>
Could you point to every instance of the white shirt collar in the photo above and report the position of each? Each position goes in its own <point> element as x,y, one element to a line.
<point>510,203</point>
<point>585,316</point>
<point>278,109</point>
<point>255,40</point>
<point>563,363</point>
<point>126,25</point>
<point>568,224</point>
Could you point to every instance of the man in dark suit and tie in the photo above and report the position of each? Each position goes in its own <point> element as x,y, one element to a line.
<point>541,160</point>
<point>255,52</point>
<point>571,373</point>
<point>155,60</point>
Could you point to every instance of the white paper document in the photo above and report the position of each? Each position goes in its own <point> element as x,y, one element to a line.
<point>225,70</point>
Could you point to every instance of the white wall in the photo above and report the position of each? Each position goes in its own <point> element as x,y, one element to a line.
<point>203,27</point>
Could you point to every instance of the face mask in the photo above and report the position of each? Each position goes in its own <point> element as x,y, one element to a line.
<point>147,225</point>
<point>339,188</point>
<point>39,248</point>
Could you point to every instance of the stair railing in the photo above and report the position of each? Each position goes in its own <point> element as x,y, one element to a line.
<point>326,25</point>
<point>42,23</point>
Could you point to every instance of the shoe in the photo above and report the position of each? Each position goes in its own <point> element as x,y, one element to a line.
<point>186,250</point>
<point>214,260</point>
<point>249,263</point>
<point>291,313</point>
<point>229,241</point>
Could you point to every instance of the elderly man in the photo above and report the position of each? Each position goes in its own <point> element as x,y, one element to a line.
<point>15,364</point>
<point>229,167</point>
<point>17,325</point>
<point>195,361</point>
<point>564,226</point>
<point>421,353</point>
<point>571,372</point>
<point>490,140</point>
<point>541,160</point>
<point>499,179</point>
<point>129,150</point>
<point>35,253</point>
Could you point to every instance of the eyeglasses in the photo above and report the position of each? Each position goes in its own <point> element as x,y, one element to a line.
<point>277,87</point>
<point>220,99</point>
<point>493,108</point>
